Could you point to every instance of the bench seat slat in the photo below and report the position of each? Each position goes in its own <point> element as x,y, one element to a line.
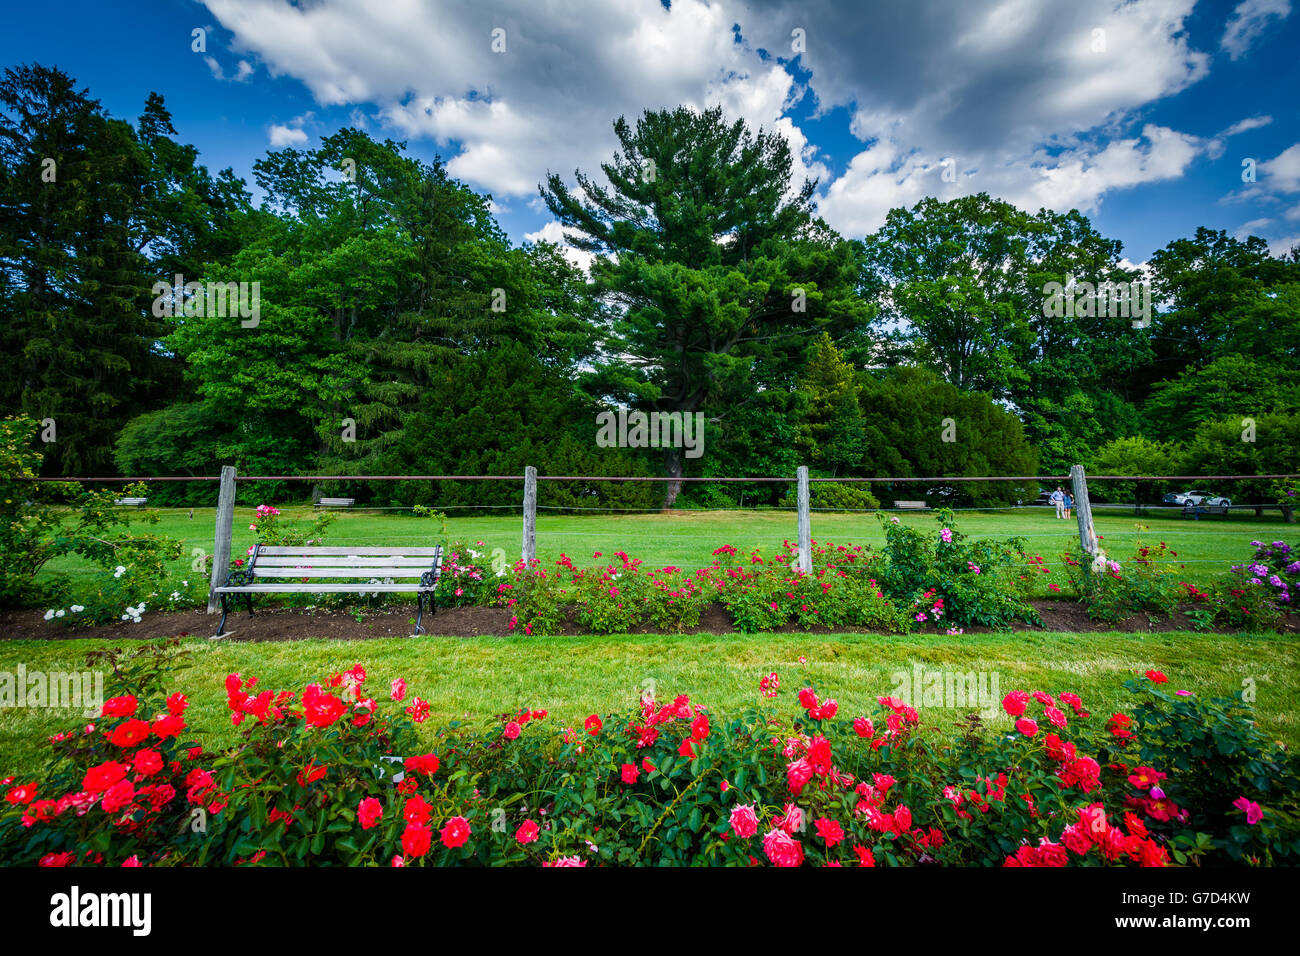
<point>310,550</point>
<point>338,560</point>
<point>356,587</point>
<point>385,572</point>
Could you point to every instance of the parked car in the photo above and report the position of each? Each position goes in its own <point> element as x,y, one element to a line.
<point>1197,499</point>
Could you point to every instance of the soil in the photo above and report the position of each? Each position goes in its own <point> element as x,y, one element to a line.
<point>290,624</point>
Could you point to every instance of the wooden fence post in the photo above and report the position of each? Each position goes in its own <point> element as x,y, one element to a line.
<point>805,523</point>
<point>221,540</point>
<point>530,514</point>
<point>1083,510</point>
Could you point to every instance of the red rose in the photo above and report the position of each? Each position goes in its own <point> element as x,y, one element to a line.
<point>416,840</point>
<point>310,774</point>
<point>24,793</point>
<point>1014,703</point>
<point>120,707</point>
<point>1027,726</point>
<point>455,833</point>
<point>1156,677</point>
<point>630,773</point>
<point>512,730</point>
<point>369,811</point>
<point>118,796</point>
<point>321,709</point>
<point>700,727</point>
<point>148,762</point>
<point>100,778</point>
<point>527,832</point>
<point>819,754</point>
<point>426,764</point>
<point>129,733</point>
<point>168,726</point>
<point>593,725</point>
<point>830,831</point>
<point>416,811</point>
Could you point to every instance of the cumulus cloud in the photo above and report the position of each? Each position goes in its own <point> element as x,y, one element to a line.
<point>553,233</point>
<point>1248,21</point>
<point>288,134</point>
<point>1034,100</point>
<point>243,70</point>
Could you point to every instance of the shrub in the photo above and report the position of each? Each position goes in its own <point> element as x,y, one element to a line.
<point>335,775</point>
<point>947,578</point>
<point>41,522</point>
<point>835,496</point>
<point>1112,592</point>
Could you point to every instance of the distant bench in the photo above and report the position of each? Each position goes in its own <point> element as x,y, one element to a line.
<point>1195,511</point>
<point>308,561</point>
<point>131,502</point>
<point>336,502</point>
<point>910,505</point>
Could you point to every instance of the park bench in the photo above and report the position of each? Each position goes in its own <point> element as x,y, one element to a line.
<point>1195,511</point>
<point>336,502</point>
<point>281,570</point>
<point>131,502</point>
<point>910,505</point>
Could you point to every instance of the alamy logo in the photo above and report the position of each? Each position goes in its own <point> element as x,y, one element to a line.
<point>24,688</point>
<point>921,687</point>
<point>221,300</point>
<point>656,430</point>
<point>1077,300</point>
<point>72,909</point>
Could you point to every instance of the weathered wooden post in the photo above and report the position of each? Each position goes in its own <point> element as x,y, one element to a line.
<point>805,523</point>
<point>221,541</point>
<point>1083,510</point>
<point>530,514</point>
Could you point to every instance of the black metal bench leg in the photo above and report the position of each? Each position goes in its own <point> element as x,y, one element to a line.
<point>419,610</point>
<point>221,628</point>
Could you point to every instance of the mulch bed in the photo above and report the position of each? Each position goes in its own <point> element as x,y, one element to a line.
<point>289,624</point>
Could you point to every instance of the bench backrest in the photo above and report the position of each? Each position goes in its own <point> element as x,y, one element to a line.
<point>281,561</point>
<point>337,502</point>
<point>910,504</point>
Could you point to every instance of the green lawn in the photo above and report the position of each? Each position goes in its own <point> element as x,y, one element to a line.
<point>687,539</point>
<point>575,676</point>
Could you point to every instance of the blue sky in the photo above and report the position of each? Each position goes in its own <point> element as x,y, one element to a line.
<point>1138,113</point>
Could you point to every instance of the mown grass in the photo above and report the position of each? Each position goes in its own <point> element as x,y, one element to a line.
<point>571,677</point>
<point>687,539</point>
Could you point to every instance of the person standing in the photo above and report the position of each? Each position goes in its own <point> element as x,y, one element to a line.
<point>1069,503</point>
<point>1058,498</point>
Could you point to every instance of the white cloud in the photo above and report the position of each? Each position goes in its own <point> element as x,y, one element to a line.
<point>1244,125</point>
<point>1249,20</point>
<point>1018,94</point>
<point>243,70</point>
<point>553,233</point>
<point>291,135</point>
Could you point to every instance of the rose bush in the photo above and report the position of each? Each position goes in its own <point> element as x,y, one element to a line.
<point>333,773</point>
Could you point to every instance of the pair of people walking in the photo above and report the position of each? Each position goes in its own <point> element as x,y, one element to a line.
<point>1063,501</point>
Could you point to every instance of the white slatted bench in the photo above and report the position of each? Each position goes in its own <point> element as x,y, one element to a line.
<point>131,502</point>
<point>336,502</point>
<point>280,570</point>
<point>910,505</point>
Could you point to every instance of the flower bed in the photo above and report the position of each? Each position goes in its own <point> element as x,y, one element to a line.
<point>331,774</point>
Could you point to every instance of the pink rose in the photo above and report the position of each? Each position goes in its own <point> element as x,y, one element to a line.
<point>781,849</point>
<point>743,821</point>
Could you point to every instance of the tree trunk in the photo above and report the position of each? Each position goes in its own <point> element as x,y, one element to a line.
<point>673,465</point>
